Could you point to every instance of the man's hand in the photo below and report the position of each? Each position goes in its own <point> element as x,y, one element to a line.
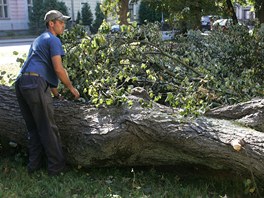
<point>59,97</point>
<point>56,94</point>
<point>75,93</point>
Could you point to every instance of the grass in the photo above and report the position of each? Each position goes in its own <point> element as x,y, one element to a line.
<point>108,182</point>
<point>114,182</point>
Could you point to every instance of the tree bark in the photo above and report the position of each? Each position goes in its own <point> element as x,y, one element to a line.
<point>124,4</point>
<point>231,11</point>
<point>196,10</point>
<point>136,136</point>
<point>259,6</point>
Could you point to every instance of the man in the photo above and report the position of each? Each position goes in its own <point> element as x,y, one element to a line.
<point>37,79</point>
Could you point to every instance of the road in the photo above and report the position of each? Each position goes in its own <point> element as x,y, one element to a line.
<point>15,42</point>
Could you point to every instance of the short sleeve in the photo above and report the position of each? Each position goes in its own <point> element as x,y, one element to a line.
<point>56,47</point>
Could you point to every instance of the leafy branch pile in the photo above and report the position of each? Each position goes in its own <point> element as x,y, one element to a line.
<point>192,72</point>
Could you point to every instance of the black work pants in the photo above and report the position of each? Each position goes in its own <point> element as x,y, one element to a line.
<point>35,101</point>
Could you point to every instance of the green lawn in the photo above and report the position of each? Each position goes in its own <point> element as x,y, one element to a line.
<point>109,182</point>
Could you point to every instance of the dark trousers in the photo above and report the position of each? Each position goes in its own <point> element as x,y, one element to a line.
<point>35,101</point>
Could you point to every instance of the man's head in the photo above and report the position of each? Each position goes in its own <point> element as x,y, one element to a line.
<point>55,21</point>
<point>55,15</point>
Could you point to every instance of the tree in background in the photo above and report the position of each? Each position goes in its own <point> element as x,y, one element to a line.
<point>87,15</point>
<point>257,4</point>
<point>259,9</point>
<point>99,17</point>
<point>185,12</point>
<point>231,11</point>
<point>190,12</point>
<point>117,9</point>
<point>78,19</point>
<point>36,17</point>
<point>122,11</point>
<point>148,13</point>
<point>40,7</point>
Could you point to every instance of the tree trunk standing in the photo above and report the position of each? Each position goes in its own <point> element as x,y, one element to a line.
<point>122,136</point>
<point>123,5</point>
<point>231,11</point>
<point>196,11</point>
<point>261,15</point>
<point>259,6</point>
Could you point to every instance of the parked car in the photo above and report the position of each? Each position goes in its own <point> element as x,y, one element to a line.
<point>167,35</point>
<point>115,28</point>
<point>222,23</point>
<point>205,23</point>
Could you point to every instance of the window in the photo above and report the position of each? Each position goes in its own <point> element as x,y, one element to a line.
<point>246,14</point>
<point>131,11</point>
<point>3,9</point>
<point>30,5</point>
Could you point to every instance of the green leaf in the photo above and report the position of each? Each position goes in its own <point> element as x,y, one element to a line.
<point>109,102</point>
<point>15,53</point>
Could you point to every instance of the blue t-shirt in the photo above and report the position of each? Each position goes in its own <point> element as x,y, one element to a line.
<point>39,60</point>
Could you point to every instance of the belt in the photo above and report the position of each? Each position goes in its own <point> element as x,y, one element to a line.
<point>30,74</point>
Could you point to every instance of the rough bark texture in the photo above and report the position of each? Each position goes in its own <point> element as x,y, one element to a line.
<point>231,11</point>
<point>123,10</point>
<point>259,6</point>
<point>122,136</point>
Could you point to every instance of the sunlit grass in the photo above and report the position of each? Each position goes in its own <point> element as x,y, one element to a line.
<point>8,57</point>
<point>9,67</point>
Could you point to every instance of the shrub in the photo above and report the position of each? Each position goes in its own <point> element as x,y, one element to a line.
<point>192,72</point>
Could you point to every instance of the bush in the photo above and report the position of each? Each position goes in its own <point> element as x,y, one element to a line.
<point>192,72</point>
<point>233,60</point>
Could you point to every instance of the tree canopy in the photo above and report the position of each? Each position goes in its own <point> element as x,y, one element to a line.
<point>99,17</point>
<point>185,12</point>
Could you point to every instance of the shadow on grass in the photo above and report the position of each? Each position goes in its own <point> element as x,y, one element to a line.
<point>162,181</point>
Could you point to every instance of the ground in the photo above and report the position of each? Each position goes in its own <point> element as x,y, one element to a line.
<point>8,59</point>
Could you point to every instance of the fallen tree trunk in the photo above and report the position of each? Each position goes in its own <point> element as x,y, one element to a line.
<point>122,136</point>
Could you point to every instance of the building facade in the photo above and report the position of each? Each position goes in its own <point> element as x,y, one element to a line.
<point>244,13</point>
<point>14,14</point>
<point>76,5</point>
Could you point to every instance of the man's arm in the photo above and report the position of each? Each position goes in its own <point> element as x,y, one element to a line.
<point>63,76</point>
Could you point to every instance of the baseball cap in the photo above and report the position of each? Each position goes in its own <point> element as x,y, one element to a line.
<point>55,14</point>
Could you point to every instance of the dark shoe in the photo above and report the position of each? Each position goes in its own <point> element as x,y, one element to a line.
<point>31,171</point>
<point>34,167</point>
<point>64,170</point>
